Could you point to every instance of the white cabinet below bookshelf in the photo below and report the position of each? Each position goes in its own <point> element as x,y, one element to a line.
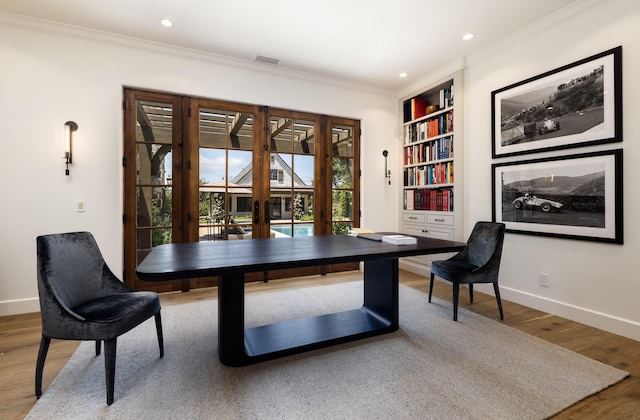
<point>439,225</point>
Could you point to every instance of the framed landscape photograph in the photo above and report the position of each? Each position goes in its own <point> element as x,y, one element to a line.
<point>577,196</point>
<point>576,105</point>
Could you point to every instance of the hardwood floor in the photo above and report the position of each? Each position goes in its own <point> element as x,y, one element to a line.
<point>20,338</point>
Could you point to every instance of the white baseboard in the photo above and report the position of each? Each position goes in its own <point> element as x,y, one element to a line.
<point>19,306</point>
<point>606,322</point>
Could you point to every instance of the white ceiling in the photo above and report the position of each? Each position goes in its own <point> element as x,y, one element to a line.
<point>368,41</point>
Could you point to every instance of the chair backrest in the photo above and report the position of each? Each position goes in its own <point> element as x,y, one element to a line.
<point>485,243</point>
<point>70,266</point>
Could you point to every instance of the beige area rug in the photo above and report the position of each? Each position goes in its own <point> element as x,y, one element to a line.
<point>432,368</point>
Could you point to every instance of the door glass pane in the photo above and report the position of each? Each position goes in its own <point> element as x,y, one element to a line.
<point>226,175</point>
<point>240,191</point>
<point>291,174</point>
<point>342,183</point>
<point>154,200</point>
<point>343,205</point>
<point>154,207</point>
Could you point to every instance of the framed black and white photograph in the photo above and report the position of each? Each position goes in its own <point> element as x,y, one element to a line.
<point>577,196</point>
<point>576,105</point>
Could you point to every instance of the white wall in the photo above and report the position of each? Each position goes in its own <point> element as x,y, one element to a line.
<point>50,74</point>
<point>594,283</point>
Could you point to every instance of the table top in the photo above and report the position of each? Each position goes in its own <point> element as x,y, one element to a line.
<point>202,259</point>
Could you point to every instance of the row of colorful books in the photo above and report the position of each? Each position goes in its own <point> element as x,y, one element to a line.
<point>431,199</point>
<point>432,127</point>
<point>437,173</point>
<point>441,148</point>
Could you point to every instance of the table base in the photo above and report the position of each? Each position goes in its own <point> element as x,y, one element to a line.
<point>240,347</point>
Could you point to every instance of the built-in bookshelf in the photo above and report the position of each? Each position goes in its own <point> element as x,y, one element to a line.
<point>429,134</point>
<point>432,163</point>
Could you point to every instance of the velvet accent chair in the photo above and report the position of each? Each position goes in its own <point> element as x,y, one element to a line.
<point>81,299</point>
<point>479,262</point>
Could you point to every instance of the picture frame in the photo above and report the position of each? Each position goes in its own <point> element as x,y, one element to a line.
<point>575,197</point>
<point>579,104</point>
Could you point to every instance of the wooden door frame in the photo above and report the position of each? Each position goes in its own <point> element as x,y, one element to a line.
<point>194,154</point>
<point>319,189</point>
<point>319,216</point>
<point>185,184</point>
<point>328,122</point>
<point>131,96</point>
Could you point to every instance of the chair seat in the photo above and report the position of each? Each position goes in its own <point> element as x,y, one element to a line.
<point>449,269</point>
<point>120,306</point>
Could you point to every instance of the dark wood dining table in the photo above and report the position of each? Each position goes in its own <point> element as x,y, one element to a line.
<point>231,260</point>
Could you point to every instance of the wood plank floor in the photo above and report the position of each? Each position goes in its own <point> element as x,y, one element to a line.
<point>20,338</point>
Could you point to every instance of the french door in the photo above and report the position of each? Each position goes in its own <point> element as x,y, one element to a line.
<point>206,170</point>
<point>154,184</point>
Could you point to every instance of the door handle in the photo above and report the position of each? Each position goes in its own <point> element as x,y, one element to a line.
<point>256,212</point>
<point>267,217</point>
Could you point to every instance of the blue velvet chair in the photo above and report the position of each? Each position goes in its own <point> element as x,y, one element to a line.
<point>81,299</point>
<point>479,262</point>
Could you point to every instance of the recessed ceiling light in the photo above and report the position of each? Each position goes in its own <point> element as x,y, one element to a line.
<point>468,36</point>
<point>166,23</point>
<point>403,74</point>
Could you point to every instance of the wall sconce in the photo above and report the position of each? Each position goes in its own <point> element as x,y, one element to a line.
<point>69,128</point>
<point>387,172</point>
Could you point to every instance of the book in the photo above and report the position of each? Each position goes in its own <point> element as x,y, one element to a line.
<point>359,231</point>
<point>418,108</point>
<point>371,236</point>
<point>365,234</point>
<point>399,240</point>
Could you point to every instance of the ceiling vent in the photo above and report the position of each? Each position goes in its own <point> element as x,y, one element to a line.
<point>267,60</point>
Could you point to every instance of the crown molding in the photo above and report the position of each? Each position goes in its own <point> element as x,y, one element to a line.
<point>49,27</point>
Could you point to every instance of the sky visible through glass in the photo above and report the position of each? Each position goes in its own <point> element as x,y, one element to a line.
<point>212,165</point>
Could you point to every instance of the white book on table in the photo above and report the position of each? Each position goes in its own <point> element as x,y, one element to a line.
<point>399,239</point>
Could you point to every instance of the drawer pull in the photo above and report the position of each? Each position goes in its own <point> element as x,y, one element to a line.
<point>413,218</point>
<point>439,220</point>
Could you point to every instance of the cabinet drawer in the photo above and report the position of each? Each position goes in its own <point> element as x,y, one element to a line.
<point>440,219</point>
<point>414,218</point>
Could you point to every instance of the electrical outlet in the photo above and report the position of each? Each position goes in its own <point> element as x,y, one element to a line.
<point>544,280</point>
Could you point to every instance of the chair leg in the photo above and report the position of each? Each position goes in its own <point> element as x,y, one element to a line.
<point>456,294</point>
<point>470,292</point>
<point>431,286</point>
<point>110,367</point>
<point>42,355</point>
<point>98,345</point>
<point>159,330</point>
<point>497,292</point>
